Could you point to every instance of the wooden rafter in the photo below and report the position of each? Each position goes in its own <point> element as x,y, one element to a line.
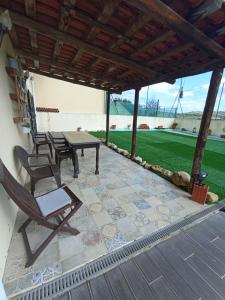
<point>56,65</point>
<point>182,27</point>
<point>74,81</point>
<point>203,10</point>
<point>105,15</point>
<point>67,38</point>
<point>77,13</point>
<point>30,8</point>
<point>63,25</point>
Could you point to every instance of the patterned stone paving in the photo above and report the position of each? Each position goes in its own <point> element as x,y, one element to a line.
<point>121,204</point>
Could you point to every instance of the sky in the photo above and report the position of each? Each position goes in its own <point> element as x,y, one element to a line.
<point>195,92</point>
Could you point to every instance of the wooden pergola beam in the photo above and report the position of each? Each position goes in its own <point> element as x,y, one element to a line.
<point>75,42</point>
<point>182,27</point>
<point>134,128</point>
<point>108,9</point>
<point>205,123</point>
<point>107,117</point>
<point>74,81</point>
<point>30,8</point>
<point>77,13</point>
<point>63,67</point>
<point>63,25</point>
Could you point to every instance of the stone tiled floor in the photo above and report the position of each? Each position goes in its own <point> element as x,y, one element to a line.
<point>120,205</point>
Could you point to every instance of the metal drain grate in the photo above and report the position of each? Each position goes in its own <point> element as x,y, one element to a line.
<point>74,278</point>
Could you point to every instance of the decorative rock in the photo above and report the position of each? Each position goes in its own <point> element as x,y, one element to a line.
<point>156,168</point>
<point>148,166</point>
<point>113,146</point>
<point>212,197</point>
<point>126,153</point>
<point>119,150</point>
<point>181,178</point>
<point>166,173</point>
<point>138,159</point>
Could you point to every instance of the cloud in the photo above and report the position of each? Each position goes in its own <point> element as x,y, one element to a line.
<point>205,86</point>
<point>162,88</point>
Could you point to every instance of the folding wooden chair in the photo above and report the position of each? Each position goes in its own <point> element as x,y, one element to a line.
<point>41,209</point>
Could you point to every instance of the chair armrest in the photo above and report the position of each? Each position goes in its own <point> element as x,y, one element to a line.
<point>41,155</point>
<point>39,165</point>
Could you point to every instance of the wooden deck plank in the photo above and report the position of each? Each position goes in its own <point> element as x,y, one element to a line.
<point>217,224</point>
<point>100,289</point>
<point>119,286</point>
<point>163,290</point>
<point>150,271</point>
<point>208,274</point>
<point>188,246</point>
<point>200,235</point>
<point>80,293</point>
<point>187,266</point>
<point>181,288</point>
<point>137,283</point>
<point>63,297</point>
<point>200,286</point>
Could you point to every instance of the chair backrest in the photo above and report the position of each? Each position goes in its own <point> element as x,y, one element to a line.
<point>57,142</point>
<point>22,155</point>
<point>19,194</point>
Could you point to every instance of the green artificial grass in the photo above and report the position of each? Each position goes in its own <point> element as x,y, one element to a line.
<point>175,152</point>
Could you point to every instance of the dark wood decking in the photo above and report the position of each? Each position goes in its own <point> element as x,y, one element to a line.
<point>190,265</point>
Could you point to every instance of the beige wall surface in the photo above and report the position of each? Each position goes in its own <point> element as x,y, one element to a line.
<point>67,97</point>
<point>11,135</point>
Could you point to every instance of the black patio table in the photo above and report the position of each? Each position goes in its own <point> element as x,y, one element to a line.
<point>82,140</point>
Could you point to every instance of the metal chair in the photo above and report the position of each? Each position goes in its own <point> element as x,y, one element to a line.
<point>61,147</point>
<point>41,139</point>
<point>37,171</point>
<point>41,209</point>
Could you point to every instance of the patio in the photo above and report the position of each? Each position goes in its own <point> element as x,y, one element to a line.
<point>123,203</point>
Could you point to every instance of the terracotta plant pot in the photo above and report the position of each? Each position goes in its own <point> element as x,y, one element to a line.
<point>143,126</point>
<point>199,193</point>
<point>174,126</point>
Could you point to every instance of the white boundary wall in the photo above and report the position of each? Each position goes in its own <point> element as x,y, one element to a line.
<point>217,126</point>
<point>71,121</point>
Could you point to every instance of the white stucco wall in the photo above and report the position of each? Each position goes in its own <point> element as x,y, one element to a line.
<point>11,135</point>
<point>67,97</point>
<point>71,121</point>
<point>216,125</point>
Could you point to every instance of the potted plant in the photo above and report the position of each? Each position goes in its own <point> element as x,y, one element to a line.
<point>79,128</point>
<point>129,126</point>
<point>113,126</point>
<point>174,125</point>
<point>194,130</point>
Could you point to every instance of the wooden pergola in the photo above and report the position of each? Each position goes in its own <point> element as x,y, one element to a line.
<point>117,45</point>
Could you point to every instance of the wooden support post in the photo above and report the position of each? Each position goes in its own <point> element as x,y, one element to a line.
<point>135,114</point>
<point>107,116</point>
<point>205,123</point>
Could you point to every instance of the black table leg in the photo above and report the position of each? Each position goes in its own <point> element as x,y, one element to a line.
<point>97,160</point>
<point>82,152</point>
<point>75,163</point>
